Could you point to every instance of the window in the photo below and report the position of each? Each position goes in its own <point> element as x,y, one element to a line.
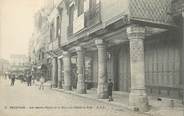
<point>92,7</point>
<point>92,4</point>
<point>51,32</point>
<point>71,16</point>
<point>80,7</point>
<point>58,24</point>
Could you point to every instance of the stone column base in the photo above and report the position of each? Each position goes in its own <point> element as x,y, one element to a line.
<point>138,102</point>
<point>81,91</point>
<point>60,85</point>
<point>54,86</point>
<point>67,88</point>
<point>102,92</point>
<point>81,88</point>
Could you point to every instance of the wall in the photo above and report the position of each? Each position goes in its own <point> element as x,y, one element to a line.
<point>124,68</point>
<point>162,65</point>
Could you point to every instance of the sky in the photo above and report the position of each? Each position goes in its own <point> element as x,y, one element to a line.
<point>17,25</point>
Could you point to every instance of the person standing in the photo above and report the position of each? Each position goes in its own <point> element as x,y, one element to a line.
<point>29,79</point>
<point>42,81</point>
<point>13,80</point>
<point>110,86</point>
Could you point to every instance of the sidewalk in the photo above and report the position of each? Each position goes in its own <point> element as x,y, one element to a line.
<point>158,108</point>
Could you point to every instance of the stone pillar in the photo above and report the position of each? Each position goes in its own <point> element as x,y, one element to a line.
<point>54,72</point>
<point>102,70</point>
<point>67,71</point>
<point>137,98</point>
<point>81,87</point>
<point>182,58</point>
<point>59,73</point>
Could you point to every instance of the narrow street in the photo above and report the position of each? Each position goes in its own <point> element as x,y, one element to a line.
<point>21,100</point>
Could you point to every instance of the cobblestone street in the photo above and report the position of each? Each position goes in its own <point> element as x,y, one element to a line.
<point>21,100</point>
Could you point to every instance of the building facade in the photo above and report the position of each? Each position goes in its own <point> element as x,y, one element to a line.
<point>136,43</point>
<point>38,42</point>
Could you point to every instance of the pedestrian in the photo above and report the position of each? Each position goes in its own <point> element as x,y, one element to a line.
<point>29,79</point>
<point>12,80</point>
<point>42,81</point>
<point>33,78</point>
<point>74,79</point>
<point>110,86</point>
<point>9,76</point>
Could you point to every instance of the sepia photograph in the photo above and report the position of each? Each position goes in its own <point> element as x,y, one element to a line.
<point>91,57</point>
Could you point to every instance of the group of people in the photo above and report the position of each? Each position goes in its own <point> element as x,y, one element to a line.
<point>42,81</point>
<point>29,79</point>
<point>12,77</point>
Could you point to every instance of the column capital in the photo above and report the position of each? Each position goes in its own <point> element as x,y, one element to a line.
<point>136,32</point>
<point>66,53</point>
<point>99,42</point>
<point>78,48</point>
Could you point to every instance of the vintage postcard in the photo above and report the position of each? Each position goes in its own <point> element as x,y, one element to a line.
<point>91,57</point>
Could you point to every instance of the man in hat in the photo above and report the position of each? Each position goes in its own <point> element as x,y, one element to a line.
<point>110,86</point>
<point>12,79</point>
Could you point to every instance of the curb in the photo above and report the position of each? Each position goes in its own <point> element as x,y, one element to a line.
<point>124,107</point>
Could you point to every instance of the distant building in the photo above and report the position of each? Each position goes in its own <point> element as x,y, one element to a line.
<point>4,66</point>
<point>0,31</point>
<point>19,63</point>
